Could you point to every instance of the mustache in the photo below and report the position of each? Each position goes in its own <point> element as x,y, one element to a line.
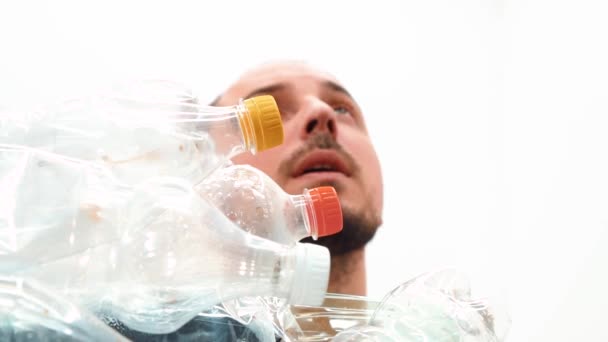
<point>323,141</point>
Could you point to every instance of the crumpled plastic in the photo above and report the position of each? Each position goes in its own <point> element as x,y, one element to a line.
<point>30,312</point>
<point>221,323</point>
<point>436,306</point>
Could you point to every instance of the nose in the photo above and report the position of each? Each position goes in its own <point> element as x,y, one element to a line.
<point>318,117</point>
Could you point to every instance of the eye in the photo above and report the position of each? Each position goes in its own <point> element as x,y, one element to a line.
<point>342,110</point>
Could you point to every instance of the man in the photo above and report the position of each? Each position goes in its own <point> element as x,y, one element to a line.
<point>326,143</point>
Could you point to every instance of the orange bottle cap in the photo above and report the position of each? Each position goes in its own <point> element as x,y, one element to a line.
<point>328,212</point>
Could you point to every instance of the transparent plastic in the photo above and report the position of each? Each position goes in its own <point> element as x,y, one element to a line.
<point>145,129</point>
<point>177,256</point>
<point>436,306</point>
<point>31,312</point>
<point>256,203</point>
<point>216,325</point>
<point>49,200</point>
<point>244,321</point>
<point>339,312</point>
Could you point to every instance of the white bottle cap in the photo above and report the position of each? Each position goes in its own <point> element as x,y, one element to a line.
<point>311,275</point>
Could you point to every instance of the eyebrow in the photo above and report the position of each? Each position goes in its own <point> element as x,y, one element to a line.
<point>266,90</point>
<point>336,87</point>
<point>281,86</point>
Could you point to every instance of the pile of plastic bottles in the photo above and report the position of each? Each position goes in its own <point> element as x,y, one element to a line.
<point>122,218</point>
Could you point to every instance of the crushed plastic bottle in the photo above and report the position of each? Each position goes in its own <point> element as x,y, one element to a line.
<point>256,203</point>
<point>31,312</point>
<point>54,206</point>
<point>436,306</point>
<point>148,129</point>
<point>51,200</point>
<point>179,255</point>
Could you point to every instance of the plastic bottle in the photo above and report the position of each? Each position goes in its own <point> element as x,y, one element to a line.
<point>149,129</point>
<point>436,306</point>
<point>31,312</point>
<point>180,255</point>
<point>52,206</point>
<point>256,203</point>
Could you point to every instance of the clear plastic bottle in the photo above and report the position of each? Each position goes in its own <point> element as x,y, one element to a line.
<point>178,256</point>
<point>31,312</point>
<point>436,306</point>
<point>52,206</point>
<point>256,203</point>
<point>149,129</point>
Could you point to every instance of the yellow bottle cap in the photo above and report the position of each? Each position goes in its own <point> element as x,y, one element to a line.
<point>266,119</point>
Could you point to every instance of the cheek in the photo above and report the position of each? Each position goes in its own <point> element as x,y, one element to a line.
<point>362,150</point>
<point>373,177</point>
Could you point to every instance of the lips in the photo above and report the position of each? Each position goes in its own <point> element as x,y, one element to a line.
<point>321,161</point>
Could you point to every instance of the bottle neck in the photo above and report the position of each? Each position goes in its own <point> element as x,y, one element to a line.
<point>266,270</point>
<point>304,221</point>
<point>224,131</point>
<point>247,127</point>
<point>298,273</point>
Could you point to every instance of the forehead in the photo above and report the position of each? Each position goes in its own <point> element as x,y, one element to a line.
<point>299,76</point>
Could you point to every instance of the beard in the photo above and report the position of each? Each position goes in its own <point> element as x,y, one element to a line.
<point>358,229</point>
<point>359,226</point>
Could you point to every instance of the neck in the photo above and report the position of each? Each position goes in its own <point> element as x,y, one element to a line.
<point>347,274</point>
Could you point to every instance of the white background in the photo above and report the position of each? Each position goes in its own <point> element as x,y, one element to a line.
<point>490,119</point>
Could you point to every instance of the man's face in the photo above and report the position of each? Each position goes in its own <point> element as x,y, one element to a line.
<point>326,143</point>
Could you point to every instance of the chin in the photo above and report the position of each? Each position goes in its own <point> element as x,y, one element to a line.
<point>359,228</point>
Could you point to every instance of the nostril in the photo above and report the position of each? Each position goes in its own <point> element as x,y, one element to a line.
<point>331,125</point>
<point>311,126</point>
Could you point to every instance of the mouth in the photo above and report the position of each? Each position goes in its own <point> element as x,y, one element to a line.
<point>322,162</point>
